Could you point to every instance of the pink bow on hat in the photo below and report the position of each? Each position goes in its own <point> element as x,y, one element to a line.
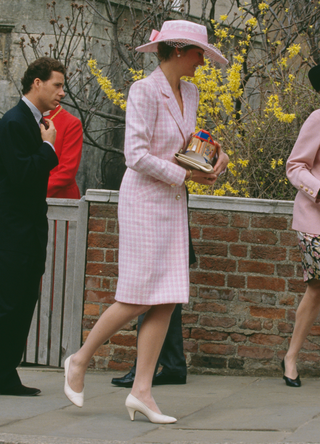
<point>154,35</point>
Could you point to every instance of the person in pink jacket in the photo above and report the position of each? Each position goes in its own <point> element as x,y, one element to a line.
<point>303,171</point>
<point>152,211</point>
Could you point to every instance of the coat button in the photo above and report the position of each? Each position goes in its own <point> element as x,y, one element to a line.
<point>301,186</point>
<point>306,189</point>
<point>178,196</point>
<point>311,192</point>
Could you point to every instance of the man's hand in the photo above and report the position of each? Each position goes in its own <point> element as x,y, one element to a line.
<point>48,135</point>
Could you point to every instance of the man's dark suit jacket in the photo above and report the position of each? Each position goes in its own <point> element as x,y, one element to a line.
<point>25,163</point>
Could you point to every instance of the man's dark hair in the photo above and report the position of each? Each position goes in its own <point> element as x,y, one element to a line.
<point>40,69</point>
<point>314,77</point>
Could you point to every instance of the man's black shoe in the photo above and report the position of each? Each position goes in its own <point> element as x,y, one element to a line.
<point>20,390</point>
<point>125,381</point>
<point>164,378</point>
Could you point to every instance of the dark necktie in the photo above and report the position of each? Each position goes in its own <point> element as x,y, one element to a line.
<point>44,123</point>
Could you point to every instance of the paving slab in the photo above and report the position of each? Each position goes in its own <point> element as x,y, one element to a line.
<point>210,409</point>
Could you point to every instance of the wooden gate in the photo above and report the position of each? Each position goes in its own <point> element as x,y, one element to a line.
<point>55,331</point>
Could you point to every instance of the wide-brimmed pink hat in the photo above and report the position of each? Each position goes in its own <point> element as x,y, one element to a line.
<point>182,33</point>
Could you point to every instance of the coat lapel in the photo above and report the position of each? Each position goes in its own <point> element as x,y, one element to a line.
<point>31,123</point>
<point>171,101</point>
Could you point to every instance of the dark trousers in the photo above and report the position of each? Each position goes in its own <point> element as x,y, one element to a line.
<point>20,276</point>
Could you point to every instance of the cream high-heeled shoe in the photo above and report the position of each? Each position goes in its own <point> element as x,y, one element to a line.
<point>74,397</point>
<point>134,405</point>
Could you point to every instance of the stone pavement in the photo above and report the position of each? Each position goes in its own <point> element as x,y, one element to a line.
<point>210,409</point>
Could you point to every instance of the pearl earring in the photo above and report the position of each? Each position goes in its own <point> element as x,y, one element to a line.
<point>179,55</point>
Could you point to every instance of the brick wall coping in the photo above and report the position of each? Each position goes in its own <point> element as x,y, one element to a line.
<point>222,203</point>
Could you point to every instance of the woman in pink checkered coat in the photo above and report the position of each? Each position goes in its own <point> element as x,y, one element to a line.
<point>153,249</point>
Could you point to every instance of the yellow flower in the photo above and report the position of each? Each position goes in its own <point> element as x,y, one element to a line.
<point>293,50</point>
<point>263,6</point>
<point>274,107</point>
<point>223,17</point>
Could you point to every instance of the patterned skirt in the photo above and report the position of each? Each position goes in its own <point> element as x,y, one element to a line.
<point>310,255</point>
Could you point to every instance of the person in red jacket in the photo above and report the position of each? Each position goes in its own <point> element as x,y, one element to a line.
<point>68,147</point>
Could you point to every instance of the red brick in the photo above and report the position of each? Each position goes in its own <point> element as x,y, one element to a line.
<point>224,322</point>
<point>94,255</point>
<point>217,349</point>
<point>289,239</point>
<point>189,318</point>
<point>124,354</point>
<point>109,256</point>
<point>273,222</point>
<point>259,237</point>
<point>93,282</point>
<point>209,218</point>
<point>309,357</point>
<point>99,296</point>
<point>215,249</point>
<point>268,253</point>
<point>111,226</point>
<point>291,315</point>
<point>315,330</point>
<point>210,306</point>
<point>128,340</point>
<point>236,337</point>
<point>238,250</point>
<point>236,281</point>
<point>266,283</point>
<point>100,240</point>
<point>98,225</point>
<point>106,283</point>
<point>186,333</point>
<point>284,327</point>
<point>250,296</point>
<point>294,255</point>
<point>287,300</point>
<point>96,269</point>
<point>255,352</point>
<point>88,323</point>
<point>103,210</point>
<point>251,324</point>
<point>268,325</point>
<point>240,221</point>
<point>120,366</point>
<point>285,270</point>
<point>205,278</point>
<point>221,234</point>
<point>307,345</point>
<point>297,285</point>
<point>255,267</point>
<point>217,264</point>
<point>271,313</point>
<point>207,335</point>
<point>212,293</point>
<point>195,232</point>
<point>190,347</point>
<point>262,339</point>
<point>91,310</point>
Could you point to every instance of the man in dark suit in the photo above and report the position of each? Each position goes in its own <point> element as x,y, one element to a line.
<point>26,157</point>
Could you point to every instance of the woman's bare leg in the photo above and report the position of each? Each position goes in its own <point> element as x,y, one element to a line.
<point>151,337</point>
<point>115,317</point>
<point>306,315</point>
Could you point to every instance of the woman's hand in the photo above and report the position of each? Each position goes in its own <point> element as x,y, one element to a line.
<point>222,162</point>
<point>201,177</point>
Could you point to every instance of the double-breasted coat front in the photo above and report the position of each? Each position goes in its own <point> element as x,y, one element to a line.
<point>152,211</point>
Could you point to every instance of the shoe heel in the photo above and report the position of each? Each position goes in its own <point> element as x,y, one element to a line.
<point>131,412</point>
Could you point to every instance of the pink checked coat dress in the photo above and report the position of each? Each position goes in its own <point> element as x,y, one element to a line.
<point>153,224</point>
<point>303,171</point>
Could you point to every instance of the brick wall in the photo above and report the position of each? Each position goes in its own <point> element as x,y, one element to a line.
<point>245,287</point>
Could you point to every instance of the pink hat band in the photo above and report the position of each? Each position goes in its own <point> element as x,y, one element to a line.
<point>177,35</point>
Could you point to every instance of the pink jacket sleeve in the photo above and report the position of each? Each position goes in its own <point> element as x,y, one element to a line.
<point>303,166</point>
<point>141,119</point>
